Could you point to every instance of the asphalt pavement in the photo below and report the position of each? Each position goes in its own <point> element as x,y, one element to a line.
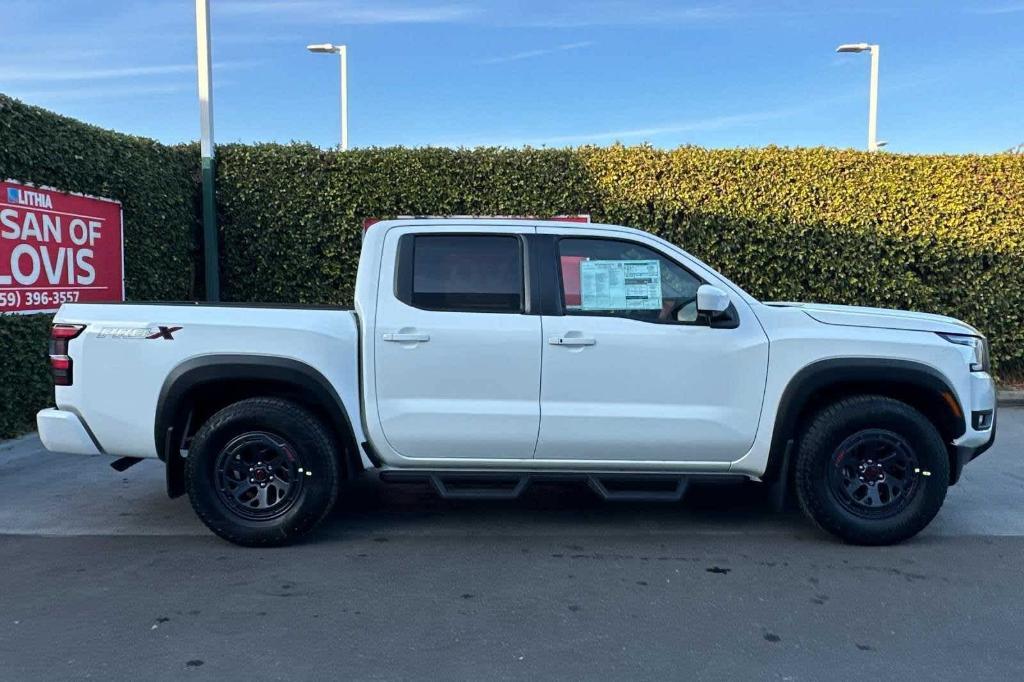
<point>105,578</point>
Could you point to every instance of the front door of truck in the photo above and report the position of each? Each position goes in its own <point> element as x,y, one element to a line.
<point>456,354</point>
<point>630,372</point>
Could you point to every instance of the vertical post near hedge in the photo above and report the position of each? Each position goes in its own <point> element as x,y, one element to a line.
<point>342,52</point>
<point>205,78</point>
<point>874,144</point>
<point>873,102</point>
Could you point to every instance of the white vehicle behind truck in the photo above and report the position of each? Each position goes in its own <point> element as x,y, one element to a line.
<point>483,355</point>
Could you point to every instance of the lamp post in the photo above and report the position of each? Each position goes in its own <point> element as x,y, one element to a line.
<point>873,143</point>
<point>205,76</point>
<point>341,51</point>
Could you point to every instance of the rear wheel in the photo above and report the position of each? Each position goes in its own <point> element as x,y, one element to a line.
<point>871,470</point>
<point>262,471</point>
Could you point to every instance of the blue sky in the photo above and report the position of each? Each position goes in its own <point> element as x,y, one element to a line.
<point>734,73</point>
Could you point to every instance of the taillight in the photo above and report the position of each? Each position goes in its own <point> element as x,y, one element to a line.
<point>60,361</point>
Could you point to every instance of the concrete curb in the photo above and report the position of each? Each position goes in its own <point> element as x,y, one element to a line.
<point>1010,398</point>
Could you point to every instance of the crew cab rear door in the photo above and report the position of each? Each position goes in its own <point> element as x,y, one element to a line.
<point>623,378</point>
<point>456,351</point>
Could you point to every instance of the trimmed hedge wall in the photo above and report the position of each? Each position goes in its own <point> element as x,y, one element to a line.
<point>291,215</point>
<point>157,186</point>
<point>935,233</point>
<point>25,384</point>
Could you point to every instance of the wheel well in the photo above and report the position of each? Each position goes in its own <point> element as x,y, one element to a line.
<point>817,387</point>
<point>925,400</point>
<point>193,394</point>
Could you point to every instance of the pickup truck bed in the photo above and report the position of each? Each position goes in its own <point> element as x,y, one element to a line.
<point>128,367</point>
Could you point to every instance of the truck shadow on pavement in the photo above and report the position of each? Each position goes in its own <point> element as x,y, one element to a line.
<point>368,506</point>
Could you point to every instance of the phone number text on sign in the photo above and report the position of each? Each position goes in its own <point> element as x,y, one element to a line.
<point>36,299</point>
<point>57,247</point>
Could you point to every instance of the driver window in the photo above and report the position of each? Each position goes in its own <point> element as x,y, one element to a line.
<point>625,279</point>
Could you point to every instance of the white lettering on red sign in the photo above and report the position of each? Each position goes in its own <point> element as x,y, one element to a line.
<point>57,247</point>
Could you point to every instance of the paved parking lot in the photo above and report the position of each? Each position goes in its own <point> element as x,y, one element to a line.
<point>104,577</point>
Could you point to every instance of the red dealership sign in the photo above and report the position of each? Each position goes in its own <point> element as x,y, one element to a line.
<point>57,247</point>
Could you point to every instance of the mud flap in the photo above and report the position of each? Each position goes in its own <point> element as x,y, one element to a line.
<point>780,486</point>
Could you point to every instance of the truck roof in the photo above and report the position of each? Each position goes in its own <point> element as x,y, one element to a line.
<point>495,222</point>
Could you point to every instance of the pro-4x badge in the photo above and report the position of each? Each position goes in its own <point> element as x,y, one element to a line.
<point>164,333</point>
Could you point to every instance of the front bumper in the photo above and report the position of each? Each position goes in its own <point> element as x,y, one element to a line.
<point>63,431</point>
<point>979,404</point>
<point>962,454</point>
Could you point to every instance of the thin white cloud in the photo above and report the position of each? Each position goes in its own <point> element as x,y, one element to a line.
<point>91,92</point>
<point>1011,8</point>
<point>258,39</point>
<point>620,13</point>
<point>643,134</point>
<point>50,74</point>
<point>530,54</point>
<point>697,125</point>
<point>318,11</point>
<point>16,74</point>
<point>529,13</point>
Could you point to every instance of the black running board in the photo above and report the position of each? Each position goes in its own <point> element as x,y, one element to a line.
<point>508,486</point>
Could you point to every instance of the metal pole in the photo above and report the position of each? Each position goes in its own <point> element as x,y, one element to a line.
<point>205,76</point>
<point>343,54</point>
<point>873,103</point>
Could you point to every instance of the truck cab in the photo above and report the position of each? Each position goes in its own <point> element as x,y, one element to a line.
<point>526,345</point>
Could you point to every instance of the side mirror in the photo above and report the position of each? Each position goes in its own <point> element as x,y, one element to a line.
<point>711,300</point>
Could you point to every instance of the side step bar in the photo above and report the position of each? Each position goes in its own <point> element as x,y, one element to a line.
<point>508,486</point>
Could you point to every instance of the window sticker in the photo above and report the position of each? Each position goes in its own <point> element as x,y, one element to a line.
<point>620,285</point>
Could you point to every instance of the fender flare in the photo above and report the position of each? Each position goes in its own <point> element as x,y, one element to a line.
<point>204,369</point>
<point>853,371</point>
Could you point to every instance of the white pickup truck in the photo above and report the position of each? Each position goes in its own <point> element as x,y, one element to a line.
<point>483,355</point>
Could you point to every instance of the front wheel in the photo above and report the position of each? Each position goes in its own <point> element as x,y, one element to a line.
<point>871,470</point>
<point>262,471</point>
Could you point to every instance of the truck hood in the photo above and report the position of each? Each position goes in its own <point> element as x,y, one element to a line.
<point>884,318</point>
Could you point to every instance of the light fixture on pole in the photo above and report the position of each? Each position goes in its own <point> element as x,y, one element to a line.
<point>341,51</point>
<point>873,142</point>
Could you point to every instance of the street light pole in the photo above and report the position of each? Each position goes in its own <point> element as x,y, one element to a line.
<point>873,103</point>
<point>343,55</point>
<point>204,71</point>
<point>873,142</point>
<point>342,52</point>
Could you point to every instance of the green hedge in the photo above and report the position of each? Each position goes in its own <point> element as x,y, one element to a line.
<point>291,215</point>
<point>157,186</point>
<point>25,384</point>
<point>935,233</point>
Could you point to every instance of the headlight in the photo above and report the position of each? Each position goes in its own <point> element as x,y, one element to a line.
<point>979,346</point>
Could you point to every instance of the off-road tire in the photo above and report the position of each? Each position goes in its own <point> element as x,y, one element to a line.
<point>818,450</point>
<point>315,458</point>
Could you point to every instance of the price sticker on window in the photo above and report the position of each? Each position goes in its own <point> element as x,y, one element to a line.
<point>620,285</point>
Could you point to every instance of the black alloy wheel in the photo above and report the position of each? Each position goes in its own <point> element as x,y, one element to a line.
<point>874,473</point>
<point>259,476</point>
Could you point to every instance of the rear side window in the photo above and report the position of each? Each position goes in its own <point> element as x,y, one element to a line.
<point>465,273</point>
